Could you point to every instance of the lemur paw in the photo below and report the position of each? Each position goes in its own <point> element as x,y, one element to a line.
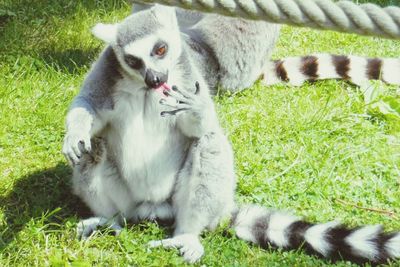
<point>188,244</point>
<point>88,227</point>
<point>183,101</point>
<point>75,144</point>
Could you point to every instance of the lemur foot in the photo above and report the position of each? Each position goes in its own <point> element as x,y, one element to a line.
<point>188,244</point>
<point>184,101</point>
<point>86,228</point>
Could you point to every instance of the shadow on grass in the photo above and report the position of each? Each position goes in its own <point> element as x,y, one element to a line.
<point>26,29</point>
<point>26,10</point>
<point>70,60</point>
<point>37,194</point>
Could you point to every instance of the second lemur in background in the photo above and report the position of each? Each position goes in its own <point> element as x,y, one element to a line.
<point>233,53</point>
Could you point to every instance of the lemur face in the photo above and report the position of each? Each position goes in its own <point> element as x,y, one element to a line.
<point>150,58</point>
<point>147,44</point>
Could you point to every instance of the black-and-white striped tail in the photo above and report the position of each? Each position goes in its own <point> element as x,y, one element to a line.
<point>297,70</point>
<point>329,240</point>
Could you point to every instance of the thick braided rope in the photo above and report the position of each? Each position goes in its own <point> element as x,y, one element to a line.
<point>344,16</point>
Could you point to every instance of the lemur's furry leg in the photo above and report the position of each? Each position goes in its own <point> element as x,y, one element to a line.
<point>92,180</point>
<point>209,174</point>
<point>203,196</point>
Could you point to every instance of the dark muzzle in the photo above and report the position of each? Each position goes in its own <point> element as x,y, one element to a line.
<point>154,79</point>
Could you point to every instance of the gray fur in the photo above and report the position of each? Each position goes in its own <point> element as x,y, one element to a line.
<point>240,48</point>
<point>144,24</point>
<point>110,73</point>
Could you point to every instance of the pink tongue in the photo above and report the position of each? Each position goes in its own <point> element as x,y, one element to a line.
<point>163,87</point>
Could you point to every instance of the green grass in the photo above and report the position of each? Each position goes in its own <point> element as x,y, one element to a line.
<point>312,149</point>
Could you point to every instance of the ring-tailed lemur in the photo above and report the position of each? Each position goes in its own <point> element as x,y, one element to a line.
<point>141,149</point>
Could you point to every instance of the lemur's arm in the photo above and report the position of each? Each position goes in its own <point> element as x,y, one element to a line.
<point>84,118</point>
<point>81,124</point>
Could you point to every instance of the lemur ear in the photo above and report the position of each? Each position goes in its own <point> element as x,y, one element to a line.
<point>106,32</point>
<point>166,15</point>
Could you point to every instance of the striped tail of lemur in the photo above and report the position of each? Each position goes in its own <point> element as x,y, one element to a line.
<point>297,70</point>
<point>145,143</point>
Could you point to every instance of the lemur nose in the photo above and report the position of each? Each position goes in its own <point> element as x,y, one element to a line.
<point>154,79</point>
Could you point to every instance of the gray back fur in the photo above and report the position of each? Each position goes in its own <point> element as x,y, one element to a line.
<point>240,48</point>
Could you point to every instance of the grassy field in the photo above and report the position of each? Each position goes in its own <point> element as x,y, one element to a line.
<point>313,149</point>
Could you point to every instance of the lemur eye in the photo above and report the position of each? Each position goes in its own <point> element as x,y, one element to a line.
<point>160,50</point>
<point>133,62</point>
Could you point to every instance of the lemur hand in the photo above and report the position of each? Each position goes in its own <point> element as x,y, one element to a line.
<point>76,143</point>
<point>195,110</point>
<point>182,101</point>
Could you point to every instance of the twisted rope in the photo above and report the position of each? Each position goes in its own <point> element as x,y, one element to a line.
<point>343,16</point>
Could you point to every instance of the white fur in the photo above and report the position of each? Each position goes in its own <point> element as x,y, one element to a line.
<point>141,48</point>
<point>326,70</point>
<point>393,246</point>
<point>269,74</point>
<point>245,234</point>
<point>390,70</point>
<point>292,66</point>
<point>357,71</point>
<point>77,132</point>
<point>276,228</point>
<point>361,241</point>
<point>315,237</point>
<point>245,219</point>
<point>106,32</point>
<point>248,214</point>
<point>166,16</point>
<point>147,165</point>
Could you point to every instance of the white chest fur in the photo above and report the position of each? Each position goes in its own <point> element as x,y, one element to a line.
<point>149,148</point>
